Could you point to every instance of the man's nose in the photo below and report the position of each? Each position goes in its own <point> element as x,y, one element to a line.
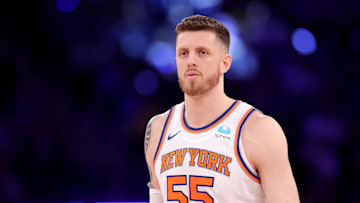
<point>192,60</point>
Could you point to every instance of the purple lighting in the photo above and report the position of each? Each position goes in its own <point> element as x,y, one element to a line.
<point>205,4</point>
<point>66,5</point>
<point>134,43</point>
<point>162,56</point>
<point>146,83</point>
<point>303,41</point>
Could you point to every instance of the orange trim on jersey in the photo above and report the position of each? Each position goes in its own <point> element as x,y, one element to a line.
<point>166,125</point>
<point>237,150</point>
<point>212,124</point>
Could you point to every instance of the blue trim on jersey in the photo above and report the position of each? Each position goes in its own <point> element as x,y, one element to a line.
<point>238,142</point>
<point>162,133</point>
<point>216,120</point>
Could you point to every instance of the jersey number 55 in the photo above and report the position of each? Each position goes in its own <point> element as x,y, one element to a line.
<point>194,183</point>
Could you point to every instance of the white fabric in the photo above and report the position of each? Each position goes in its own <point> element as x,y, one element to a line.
<point>237,187</point>
<point>155,196</point>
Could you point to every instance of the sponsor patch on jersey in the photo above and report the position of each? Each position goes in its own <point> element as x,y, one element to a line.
<point>223,132</point>
<point>224,129</point>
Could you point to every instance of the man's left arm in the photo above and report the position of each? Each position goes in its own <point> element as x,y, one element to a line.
<point>269,155</point>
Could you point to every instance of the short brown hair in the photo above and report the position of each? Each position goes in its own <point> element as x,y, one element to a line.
<point>200,22</point>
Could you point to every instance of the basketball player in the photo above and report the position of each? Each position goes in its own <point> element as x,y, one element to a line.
<point>212,148</point>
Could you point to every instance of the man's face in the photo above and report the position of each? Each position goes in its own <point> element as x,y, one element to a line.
<point>198,58</point>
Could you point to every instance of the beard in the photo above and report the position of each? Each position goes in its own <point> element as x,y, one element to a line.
<point>197,86</point>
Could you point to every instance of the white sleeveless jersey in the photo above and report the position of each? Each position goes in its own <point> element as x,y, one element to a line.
<point>206,164</point>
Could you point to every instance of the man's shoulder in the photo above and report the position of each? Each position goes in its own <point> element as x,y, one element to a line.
<point>263,130</point>
<point>262,137</point>
<point>258,121</point>
<point>153,132</point>
<point>159,120</point>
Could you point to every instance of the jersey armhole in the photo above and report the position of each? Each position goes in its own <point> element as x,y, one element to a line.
<point>166,125</point>
<point>239,149</point>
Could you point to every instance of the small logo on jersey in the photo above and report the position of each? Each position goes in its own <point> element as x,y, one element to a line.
<point>223,132</point>
<point>172,136</point>
<point>224,129</point>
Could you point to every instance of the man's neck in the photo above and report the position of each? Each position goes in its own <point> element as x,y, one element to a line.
<point>202,110</point>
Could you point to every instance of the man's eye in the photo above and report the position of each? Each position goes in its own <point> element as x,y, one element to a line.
<point>203,52</point>
<point>183,53</point>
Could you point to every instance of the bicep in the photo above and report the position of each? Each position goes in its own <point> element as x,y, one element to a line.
<point>151,140</point>
<point>149,152</point>
<point>272,162</point>
<point>277,179</point>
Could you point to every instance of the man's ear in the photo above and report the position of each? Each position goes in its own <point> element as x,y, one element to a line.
<point>225,63</point>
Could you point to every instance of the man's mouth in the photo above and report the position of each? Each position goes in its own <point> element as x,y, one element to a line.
<point>192,74</point>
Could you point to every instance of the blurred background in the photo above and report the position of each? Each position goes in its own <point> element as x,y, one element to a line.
<point>80,79</point>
